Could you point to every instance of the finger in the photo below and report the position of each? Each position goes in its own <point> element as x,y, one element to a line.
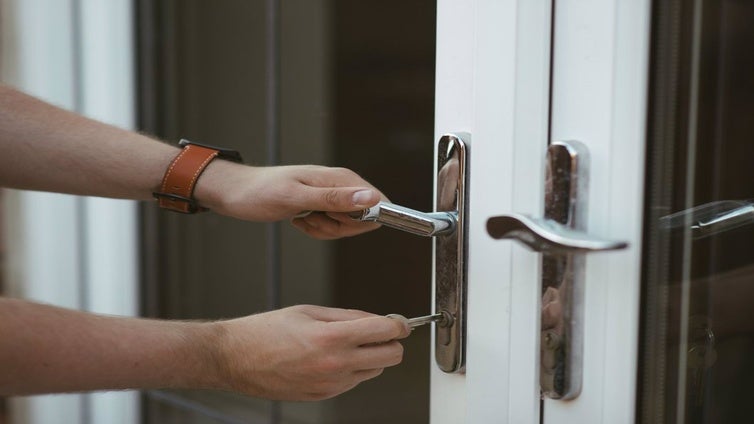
<point>322,313</point>
<point>403,320</point>
<point>310,230</point>
<point>377,356</point>
<point>365,375</point>
<point>345,218</point>
<point>351,226</point>
<point>323,224</point>
<point>337,199</point>
<point>301,225</point>
<point>550,295</point>
<point>333,390</point>
<point>551,315</point>
<point>322,231</point>
<point>322,227</point>
<point>302,214</point>
<point>322,176</point>
<point>376,329</point>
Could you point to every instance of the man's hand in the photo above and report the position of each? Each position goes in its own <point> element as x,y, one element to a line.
<point>282,192</point>
<point>86,157</point>
<point>297,353</point>
<point>306,352</point>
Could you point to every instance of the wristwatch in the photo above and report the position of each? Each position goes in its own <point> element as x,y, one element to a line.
<point>177,189</point>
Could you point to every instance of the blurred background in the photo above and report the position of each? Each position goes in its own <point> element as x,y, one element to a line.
<point>329,82</point>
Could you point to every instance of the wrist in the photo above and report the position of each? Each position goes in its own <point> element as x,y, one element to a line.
<point>217,184</point>
<point>221,355</point>
<point>178,188</point>
<point>206,367</point>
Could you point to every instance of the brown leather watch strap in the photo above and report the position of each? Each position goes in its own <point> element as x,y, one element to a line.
<point>177,189</point>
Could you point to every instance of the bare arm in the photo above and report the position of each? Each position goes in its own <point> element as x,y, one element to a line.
<point>49,149</point>
<point>298,353</point>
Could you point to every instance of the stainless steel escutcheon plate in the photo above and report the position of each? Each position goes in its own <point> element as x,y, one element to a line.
<point>447,225</point>
<point>562,239</point>
<point>451,252</point>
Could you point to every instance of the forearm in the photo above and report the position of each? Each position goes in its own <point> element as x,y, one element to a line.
<point>296,353</point>
<point>47,148</point>
<point>47,349</point>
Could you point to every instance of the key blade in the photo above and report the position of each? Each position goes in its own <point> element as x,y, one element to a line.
<point>415,322</point>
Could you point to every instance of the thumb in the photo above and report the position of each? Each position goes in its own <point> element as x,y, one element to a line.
<point>339,199</point>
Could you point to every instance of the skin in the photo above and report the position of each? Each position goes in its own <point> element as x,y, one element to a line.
<point>298,353</point>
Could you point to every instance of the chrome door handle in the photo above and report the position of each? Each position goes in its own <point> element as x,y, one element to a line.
<point>447,225</point>
<point>561,238</point>
<point>547,235</point>
<point>427,224</point>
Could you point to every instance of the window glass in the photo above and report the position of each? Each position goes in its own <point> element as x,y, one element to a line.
<point>697,336</point>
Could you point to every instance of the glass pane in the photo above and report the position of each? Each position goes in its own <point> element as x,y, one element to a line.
<point>697,335</point>
<point>351,94</point>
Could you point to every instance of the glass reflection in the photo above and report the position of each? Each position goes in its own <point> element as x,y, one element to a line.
<point>697,335</point>
<point>711,218</point>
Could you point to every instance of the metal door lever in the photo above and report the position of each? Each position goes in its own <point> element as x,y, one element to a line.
<point>427,224</point>
<point>547,235</point>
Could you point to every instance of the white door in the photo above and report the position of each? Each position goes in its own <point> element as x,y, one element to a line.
<point>517,76</point>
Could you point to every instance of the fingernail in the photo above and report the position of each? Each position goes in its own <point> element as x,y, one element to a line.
<point>403,320</point>
<point>362,197</point>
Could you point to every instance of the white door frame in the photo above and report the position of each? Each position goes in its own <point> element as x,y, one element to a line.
<point>72,251</point>
<point>493,81</point>
<point>600,83</point>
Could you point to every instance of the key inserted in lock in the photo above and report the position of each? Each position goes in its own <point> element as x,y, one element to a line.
<point>442,319</point>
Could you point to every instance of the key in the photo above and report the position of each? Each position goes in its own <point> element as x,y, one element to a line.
<point>415,322</point>
<point>442,319</point>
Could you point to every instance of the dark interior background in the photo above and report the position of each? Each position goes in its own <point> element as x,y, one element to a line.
<point>331,82</point>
